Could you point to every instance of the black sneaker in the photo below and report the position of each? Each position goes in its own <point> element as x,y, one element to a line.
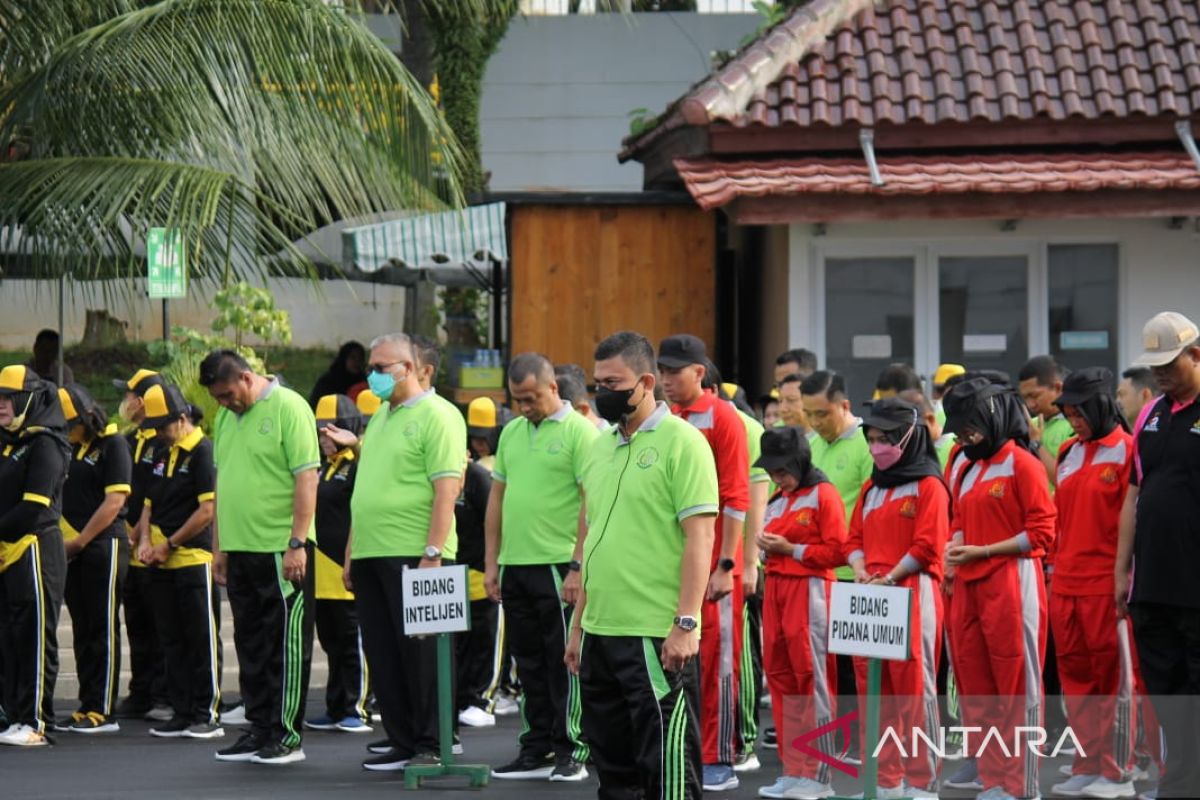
<point>204,730</point>
<point>768,738</point>
<point>242,750</point>
<point>526,768</point>
<point>568,771</point>
<point>425,760</point>
<point>173,729</point>
<point>380,747</point>
<point>278,753</point>
<point>391,761</point>
<point>63,724</point>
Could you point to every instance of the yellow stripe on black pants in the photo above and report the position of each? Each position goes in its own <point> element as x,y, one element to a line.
<point>31,592</point>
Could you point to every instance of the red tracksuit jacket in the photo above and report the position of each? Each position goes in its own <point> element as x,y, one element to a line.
<point>1092,478</point>
<point>814,518</point>
<point>721,425</point>
<point>999,498</point>
<point>915,522</point>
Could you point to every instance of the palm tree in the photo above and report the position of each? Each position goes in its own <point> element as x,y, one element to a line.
<point>244,124</point>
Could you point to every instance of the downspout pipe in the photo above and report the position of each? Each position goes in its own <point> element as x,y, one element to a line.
<point>866,140</point>
<point>1183,129</point>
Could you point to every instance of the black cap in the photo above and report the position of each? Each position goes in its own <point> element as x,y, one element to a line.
<point>682,350</point>
<point>959,402</point>
<point>782,447</point>
<point>891,414</point>
<point>1084,384</point>
<point>164,404</point>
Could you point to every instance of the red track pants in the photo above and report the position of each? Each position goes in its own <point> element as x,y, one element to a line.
<point>720,664</point>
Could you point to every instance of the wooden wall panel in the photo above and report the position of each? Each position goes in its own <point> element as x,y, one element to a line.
<point>580,273</point>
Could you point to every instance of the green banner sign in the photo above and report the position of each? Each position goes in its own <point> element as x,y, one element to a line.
<point>166,265</point>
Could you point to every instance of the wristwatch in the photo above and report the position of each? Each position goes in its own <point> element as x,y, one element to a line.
<point>726,564</point>
<point>686,623</point>
<point>889,580</point>
<point>574,566</point>
<point>432,553</point>
<point>171,545</point>
<point>295,544</point>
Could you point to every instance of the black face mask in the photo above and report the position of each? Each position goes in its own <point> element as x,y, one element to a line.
<point>613,404</point>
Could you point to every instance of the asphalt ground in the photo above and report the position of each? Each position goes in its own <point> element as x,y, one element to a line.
<point>132,765</point>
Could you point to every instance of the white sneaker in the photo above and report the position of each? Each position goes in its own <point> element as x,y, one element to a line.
<point>1066,769</point>
<point>476,717</point>
<point>807,789</point>
<point>235,716</point>
<point>919,794</point>
<point>22,736</point>
<point>1109,790</point>
<point>776,789</point>
<point>505,706</point>
<point>747,762</point>
<point>1139,774</point>
<point>1075,786</point>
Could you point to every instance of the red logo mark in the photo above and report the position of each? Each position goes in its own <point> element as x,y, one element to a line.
<point>842,724</point>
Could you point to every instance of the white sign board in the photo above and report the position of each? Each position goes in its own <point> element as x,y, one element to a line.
<point>865,346</point>
<point>435,600</point>
<point>985,343</point>
<point>871,621</point>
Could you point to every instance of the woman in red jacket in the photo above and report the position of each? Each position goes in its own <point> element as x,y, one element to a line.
<point>1003,523</point>
<point>803,535</point>
<point>897,537</point>
<point>1094,648</point>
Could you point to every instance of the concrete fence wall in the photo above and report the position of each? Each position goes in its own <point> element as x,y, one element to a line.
<point>323,316</point>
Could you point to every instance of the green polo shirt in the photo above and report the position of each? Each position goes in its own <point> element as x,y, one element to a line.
<point>638,492</point>
<point>258,455</point>
<point>404,450</point>
<point>541,467</point>
<point>944,447</point>
<point>848,463</point>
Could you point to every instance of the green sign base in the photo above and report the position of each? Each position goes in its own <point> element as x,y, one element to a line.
<point>477,774</point>
<point>870,771</point>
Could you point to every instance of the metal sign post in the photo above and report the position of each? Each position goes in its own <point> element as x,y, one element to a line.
<point>872,622</point>
<point>436,603</point>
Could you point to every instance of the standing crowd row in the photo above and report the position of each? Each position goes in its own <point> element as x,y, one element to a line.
<point>656,563</point>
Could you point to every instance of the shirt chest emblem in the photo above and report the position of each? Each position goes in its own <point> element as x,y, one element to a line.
<point>997,489</point>
<point>804,517</point>
<point>647,458</point>
<point>266,426</point>
<point>1152,425</point>
<point>908,508</point>
<point>1109,474</point>
<point>91,459</point>
<point>555,447</point>
<point>409,430</point>
<point>160,469</point>
<point>1195,427</point>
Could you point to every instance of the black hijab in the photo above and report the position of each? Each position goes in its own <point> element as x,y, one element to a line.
<point>991,409</point>
<point>338,379</point>
<point>1090,391</point>
<point>895,417</point>
<point>787,449</point>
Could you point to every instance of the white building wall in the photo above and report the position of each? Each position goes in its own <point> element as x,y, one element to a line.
<point>322,316</point>
<point>1159,268</point>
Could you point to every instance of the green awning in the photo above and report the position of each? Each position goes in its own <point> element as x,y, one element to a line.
<point>473,236</point>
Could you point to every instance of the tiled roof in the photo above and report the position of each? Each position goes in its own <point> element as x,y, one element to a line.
<point>715,183</point>
<point>846,62</point>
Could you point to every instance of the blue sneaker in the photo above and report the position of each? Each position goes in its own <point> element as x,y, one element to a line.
<point>719,778</point>
<point>965,777</point>
<point>321,723</point>
<point>353,725</point>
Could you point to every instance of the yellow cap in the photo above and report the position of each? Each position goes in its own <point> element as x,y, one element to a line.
<point>730,390</point>
<point>367,403</point>
<point>12,379</point>
<point>481,413</point>
<point>947,371</point>
<point>155,402</point>
<point>327,408</point>
<point>773,394</point>
<point>68,404</point>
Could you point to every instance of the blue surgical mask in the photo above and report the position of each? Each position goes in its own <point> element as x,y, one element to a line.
<point>381,384</point>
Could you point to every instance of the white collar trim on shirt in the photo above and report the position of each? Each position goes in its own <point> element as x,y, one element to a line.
<point>415,399</point>
<point>561,414</point>
<point>661,411</point>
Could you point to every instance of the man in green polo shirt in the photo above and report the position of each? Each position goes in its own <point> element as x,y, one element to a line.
<point>534,545</point>
<point>651,489</point>
<point>414,452</point>
<point>1041,381</point>
<point>266,454</point>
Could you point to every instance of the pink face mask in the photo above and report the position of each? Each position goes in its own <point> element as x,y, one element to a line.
<point>886,455</point>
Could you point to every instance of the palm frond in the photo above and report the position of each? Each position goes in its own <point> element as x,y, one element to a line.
<point>293,97</point>
<point>89,217</point>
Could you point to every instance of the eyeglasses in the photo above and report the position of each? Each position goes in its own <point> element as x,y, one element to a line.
<point>382,368</point>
